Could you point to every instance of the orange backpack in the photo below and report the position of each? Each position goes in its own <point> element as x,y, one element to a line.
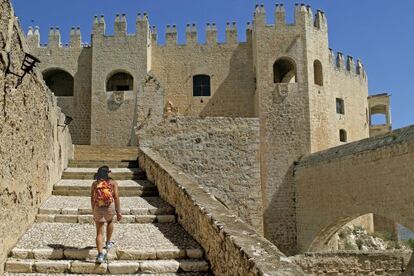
<point>103,194</point>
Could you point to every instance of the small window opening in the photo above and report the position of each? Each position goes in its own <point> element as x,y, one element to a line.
<point>284,71</point>
<point>340,106</point>
<point>342,135</point>
<point>318,73</point>
<point>201,86</point>
<point>120,82</point>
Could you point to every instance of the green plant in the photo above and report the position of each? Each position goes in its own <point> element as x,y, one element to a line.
<point>410,243</point>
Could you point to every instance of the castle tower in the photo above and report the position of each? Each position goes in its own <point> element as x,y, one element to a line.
<point>119,64</point>
<point>295,102</point>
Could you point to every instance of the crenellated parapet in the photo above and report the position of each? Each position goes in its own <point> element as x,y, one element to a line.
<point>121,25</point>
<point>303,16</point>
<point>54,38</point>
<point>347,65</point>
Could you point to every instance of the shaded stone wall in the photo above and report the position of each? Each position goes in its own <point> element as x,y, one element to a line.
<point>33,149</point>
<point>354,263</point>
<point>231,245</point>
<point>373,175</point>
<point>222,154</point>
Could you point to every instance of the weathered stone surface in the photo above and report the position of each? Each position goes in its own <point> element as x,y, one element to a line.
<point>137,254</point>
<point>194,253</point>
<point>45,218</point>
<point>192,265</point>
<point>52,266</point>
<point>349,262</point>
<point>47,253</point>
<point>123,267</point>
<point>22,253</point>
<point>145,219</point>
<point>86,219</point>
<point>165,266</point>
<point>88,267</point>
<point>19,265</point>
<point>222,154</point>
<point>233,246</point>
<point>66,218</point>
<point>165,254</point>
<point>165,218</point>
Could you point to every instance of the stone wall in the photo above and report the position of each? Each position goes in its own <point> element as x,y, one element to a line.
<point>232,246</point>
<point>33,149</point>
<point>222,154</point>
<point>333,187</point>
<point>76,61</point>
<point>229,65</point>
<point>354,263</point>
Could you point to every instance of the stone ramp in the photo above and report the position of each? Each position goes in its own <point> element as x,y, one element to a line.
<point>82,187</point>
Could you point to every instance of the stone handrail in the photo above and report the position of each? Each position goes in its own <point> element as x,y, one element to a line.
<point>231,245</point>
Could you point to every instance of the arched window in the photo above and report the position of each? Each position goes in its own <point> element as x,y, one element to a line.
<point>317,72</point>
<point>120,82</point>
<point>201,86</point>
<point>342,135</point>
<point>59,81</point>
<point>284,71</point>
<point>378,115</point>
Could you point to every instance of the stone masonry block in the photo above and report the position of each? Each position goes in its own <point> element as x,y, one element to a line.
<point>127,219</point>
<point>70,211</point>
<point>166,254</point>
<point>170,266</point>
<point>45,218</point>
<point>85,211</point>
<point>22,253</point>
<point>88,267</point>
<point>195,253</point>
<point>145,219</point>
<point>123,267</point>
<point>52,266</point>
<point>49,211</point>
<point>76,254</point>
<point>166,218</point>
<point>48,253</point>
<point>85,219</point>
<point>19,266</point>
<point>139,211</point>
<point>66,218</point>
<point>131,254</point>
<point>192,265</point>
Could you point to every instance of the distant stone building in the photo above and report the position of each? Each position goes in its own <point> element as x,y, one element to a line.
<point>305,97</point>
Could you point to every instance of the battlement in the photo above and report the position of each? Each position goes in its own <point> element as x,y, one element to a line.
<point>303,16</point>
<point>120,25</point>
<point>54,38</point>
<point>349,65</point>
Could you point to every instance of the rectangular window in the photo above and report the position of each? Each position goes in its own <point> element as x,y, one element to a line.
<point>340,106</point>
<point>201,86</point>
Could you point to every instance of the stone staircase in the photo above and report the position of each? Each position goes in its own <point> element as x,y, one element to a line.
<point>148,240</point>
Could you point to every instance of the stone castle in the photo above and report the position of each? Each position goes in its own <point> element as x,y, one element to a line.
<point>255,153</point>
<point>102,85</point>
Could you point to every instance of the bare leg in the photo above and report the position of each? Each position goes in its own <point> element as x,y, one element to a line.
<point>109,230</point>
<point>99,236</point>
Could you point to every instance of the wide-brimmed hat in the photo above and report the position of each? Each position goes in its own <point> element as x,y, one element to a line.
<point>102,173</point>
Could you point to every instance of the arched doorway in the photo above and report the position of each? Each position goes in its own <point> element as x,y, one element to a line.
<point>59,81</point>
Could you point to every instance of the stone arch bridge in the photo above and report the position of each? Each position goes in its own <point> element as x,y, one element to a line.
<point>374,175</point>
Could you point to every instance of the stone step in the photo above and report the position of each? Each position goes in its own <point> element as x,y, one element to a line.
<point>104,153</point>
<point>74,241</point>
<point>109,267</point>
<point>127,188</point>
<point>99,163</point>
<point>137,274</point>
<point>76,209</point>
<point>117,173</point>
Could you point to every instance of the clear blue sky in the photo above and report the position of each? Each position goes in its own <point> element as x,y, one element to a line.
<point>381,32</point>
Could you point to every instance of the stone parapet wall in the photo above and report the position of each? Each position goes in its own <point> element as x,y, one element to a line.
<point>354,263</point>
<point>231,245</point>
<point>221,154</point>
<point>33,149</point>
